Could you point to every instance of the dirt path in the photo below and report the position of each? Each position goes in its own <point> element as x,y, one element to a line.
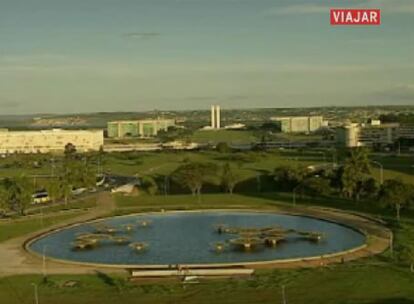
<point>15,260</point>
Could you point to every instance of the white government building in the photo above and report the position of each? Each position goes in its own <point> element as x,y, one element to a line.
<point>49,141</point>
<point>299,124</point>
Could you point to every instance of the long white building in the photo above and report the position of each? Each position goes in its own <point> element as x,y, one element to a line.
<point>49,141</point>
<point>375,133</point>
<point>299,124</point>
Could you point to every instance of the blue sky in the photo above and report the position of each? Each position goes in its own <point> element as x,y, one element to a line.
<point>131,55</point>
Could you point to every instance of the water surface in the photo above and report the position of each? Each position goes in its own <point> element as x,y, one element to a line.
<point>187,238</point>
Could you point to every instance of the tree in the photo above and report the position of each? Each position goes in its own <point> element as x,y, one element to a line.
<point>54,190</point>
<point>4,200</point>
<point>193,175</point>
<point>66,188</point>
<point>366,187</point>
<point>396,194</point>
<point>229,178</point>
<point>69,177</point>
<point>70,150</point>
<point>223,147</point>
<point>316,186</point>
<point>87,175</point>
<point>355,170</point>
<point>289,177</point>
<point>20,190</point>
<point>407,255</point>
<point>101,159</point>
<point>149,184</point>
<point>76,173</point>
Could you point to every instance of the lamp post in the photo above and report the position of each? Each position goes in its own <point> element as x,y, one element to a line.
<point>294,194</point>
<point>294,198</point>
<point>44,261</point>
<point>41,216</point>
<point>381,170</point>
<point>283,295</point>
<point>323,155</point>
<point>36,296</point>
<point>166,185</point>
<point>53,166</point>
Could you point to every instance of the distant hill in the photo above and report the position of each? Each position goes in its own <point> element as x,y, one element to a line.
<point>198,118</point>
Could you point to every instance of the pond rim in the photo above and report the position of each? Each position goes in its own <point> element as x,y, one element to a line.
<point>27,244</point>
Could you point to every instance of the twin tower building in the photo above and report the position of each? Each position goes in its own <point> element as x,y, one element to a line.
<point>215,117</point>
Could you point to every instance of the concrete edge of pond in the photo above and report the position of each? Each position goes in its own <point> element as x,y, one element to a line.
<point>377,240</point>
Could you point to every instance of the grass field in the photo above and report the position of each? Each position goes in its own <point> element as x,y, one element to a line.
<point>144,202</point>
<point>16,228</point>
<point>246,164</point>
<point>228,136</point>
<point>383,279</point>
<point>376,280</point>
<point>189,202</point>
<point>364,282</point>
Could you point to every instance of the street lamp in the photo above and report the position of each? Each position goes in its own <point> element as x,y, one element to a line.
<point>294,194</point>
<point>166,185</point>
<point>259,183</point>
<point>323,154</point>
<point>53,166</point>
<point>44,261</point>
<point>36,296</point>
<point>294,198</point>
<point>381,170</point>
<point>283,295</point>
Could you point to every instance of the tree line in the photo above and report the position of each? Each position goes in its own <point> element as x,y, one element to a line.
<point>352,180</point>
<point>76,171</point>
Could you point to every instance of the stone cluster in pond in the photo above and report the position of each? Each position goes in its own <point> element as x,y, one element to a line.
<point>253,237</point>
<point>108,235</point>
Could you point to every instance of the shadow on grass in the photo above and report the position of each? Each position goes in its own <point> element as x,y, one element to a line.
<point>105,278</point>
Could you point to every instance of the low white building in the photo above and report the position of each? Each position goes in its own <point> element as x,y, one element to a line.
<point>49,141</point>
<point>359,135</point>
<point>236,126</point>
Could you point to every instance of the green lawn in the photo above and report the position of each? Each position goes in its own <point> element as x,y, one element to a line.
<point>189,202</point>
<point>377,280</point>
<point>373,282</point>
<point>229,136</point>
<point>16,228</point>
<point>246,164</point>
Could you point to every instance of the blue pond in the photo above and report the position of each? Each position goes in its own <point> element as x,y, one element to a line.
<point>187,238</point>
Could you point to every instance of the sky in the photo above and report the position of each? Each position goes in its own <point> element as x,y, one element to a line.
<point>60,56</point>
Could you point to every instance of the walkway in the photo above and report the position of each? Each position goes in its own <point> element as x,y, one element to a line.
<point>15,260</point>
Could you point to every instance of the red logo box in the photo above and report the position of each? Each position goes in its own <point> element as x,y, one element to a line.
<point>355,16</point>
